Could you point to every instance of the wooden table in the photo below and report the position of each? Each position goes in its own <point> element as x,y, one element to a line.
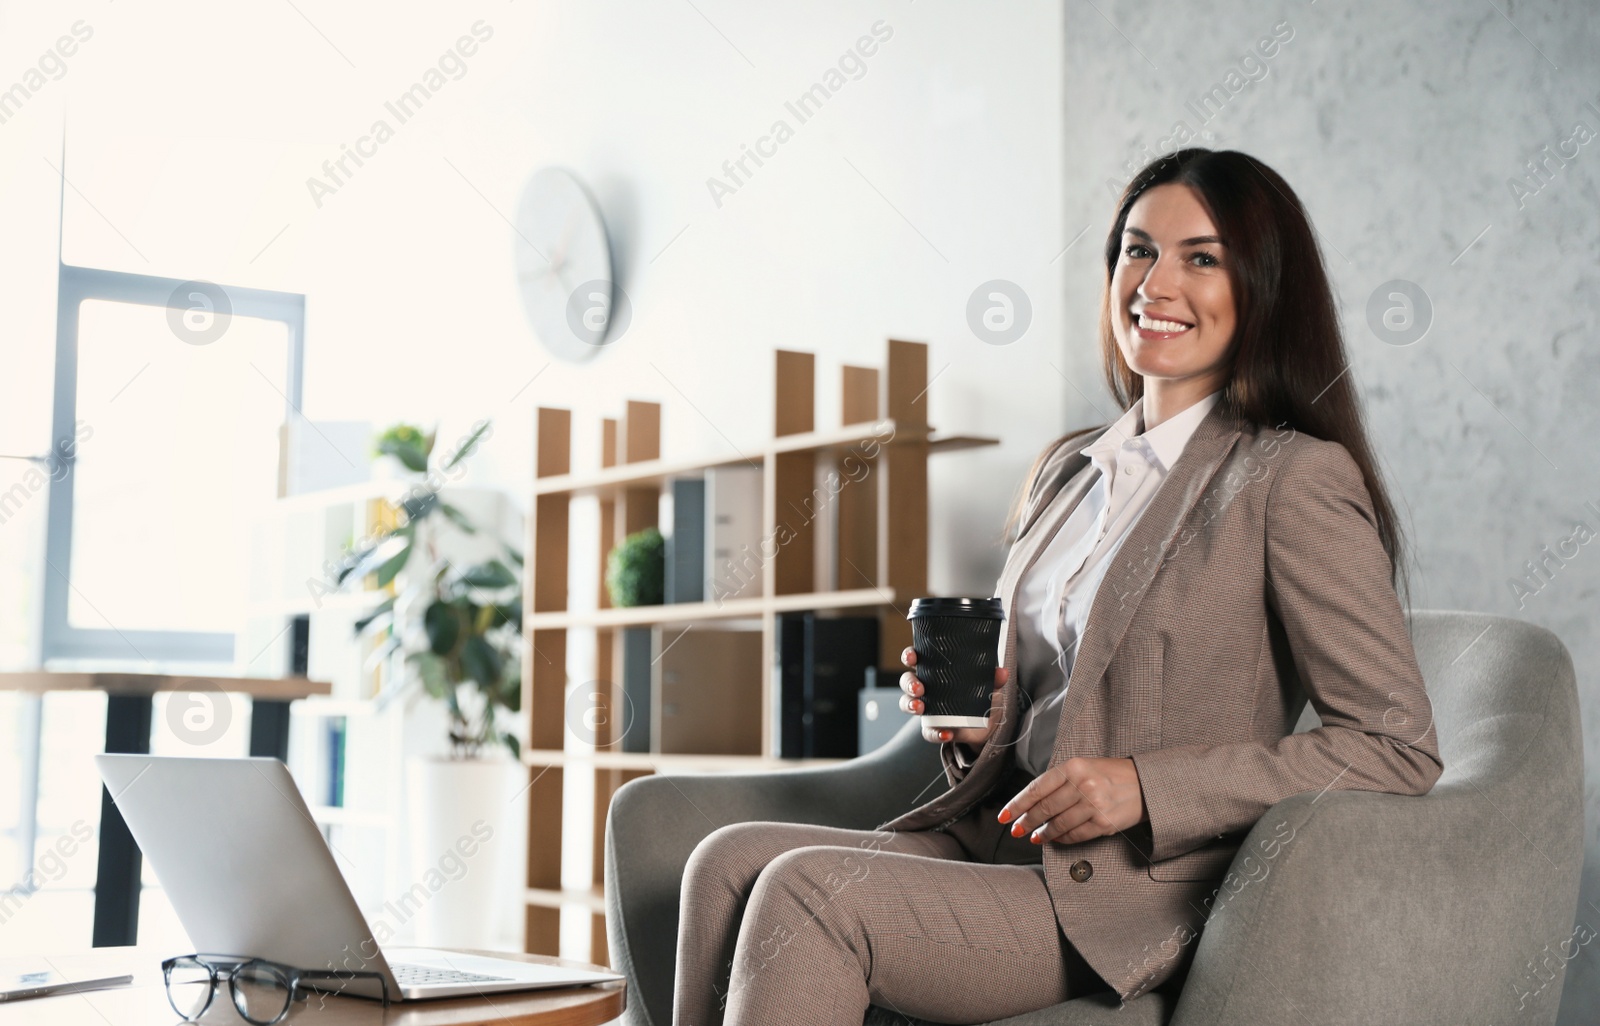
<point>145,1002</point>
<point>130,702</point>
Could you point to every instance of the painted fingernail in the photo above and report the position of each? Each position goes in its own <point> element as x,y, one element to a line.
<point>1016,829</point>
<point>944,735</point>
<point>1035,838</point>
<point>1005,815</point>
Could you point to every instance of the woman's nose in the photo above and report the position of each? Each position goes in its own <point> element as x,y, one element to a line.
<point>1159,283</point>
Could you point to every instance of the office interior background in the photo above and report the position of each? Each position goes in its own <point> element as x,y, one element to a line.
<point>1448,148</point>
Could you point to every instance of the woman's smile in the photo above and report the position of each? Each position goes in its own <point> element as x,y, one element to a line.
<point>1159,328</point>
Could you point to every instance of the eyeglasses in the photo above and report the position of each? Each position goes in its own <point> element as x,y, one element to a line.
<point>262,991</point>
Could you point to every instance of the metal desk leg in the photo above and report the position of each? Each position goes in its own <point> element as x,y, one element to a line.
<point>269,729</point>
<point>116,887</point>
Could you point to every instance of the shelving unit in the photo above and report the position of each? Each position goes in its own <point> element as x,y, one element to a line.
<point>367,827</point>
<point>879,563</point>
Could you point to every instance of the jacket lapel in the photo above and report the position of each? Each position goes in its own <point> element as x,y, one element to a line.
<point>1074,462</point>
<point>1134,565</point>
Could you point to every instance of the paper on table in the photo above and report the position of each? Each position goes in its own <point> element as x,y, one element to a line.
<point>16,987</point>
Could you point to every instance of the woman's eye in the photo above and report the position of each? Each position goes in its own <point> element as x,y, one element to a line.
<point>1134,250</point>
<point>1210,261</point>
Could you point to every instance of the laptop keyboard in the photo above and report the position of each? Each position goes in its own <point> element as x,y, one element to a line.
<point>425,975</point>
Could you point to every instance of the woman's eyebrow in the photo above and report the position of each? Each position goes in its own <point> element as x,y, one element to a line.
<point>1197,240</point>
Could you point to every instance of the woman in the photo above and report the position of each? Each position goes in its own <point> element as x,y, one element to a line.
<point>1179,583</point>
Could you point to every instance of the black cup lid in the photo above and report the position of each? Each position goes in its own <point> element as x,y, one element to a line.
<point>983,608</point>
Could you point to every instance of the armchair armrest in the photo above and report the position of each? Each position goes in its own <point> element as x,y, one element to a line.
<point>1410,904</point>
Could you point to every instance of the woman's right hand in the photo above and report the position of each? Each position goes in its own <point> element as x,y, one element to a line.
<point>911,702</point>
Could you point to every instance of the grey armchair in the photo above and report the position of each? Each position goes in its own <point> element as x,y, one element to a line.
<point>1384,908</point>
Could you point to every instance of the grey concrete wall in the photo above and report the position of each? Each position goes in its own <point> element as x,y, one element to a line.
<point>1455,146</point>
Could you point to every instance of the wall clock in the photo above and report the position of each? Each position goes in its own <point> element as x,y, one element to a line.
<point>563,262</point>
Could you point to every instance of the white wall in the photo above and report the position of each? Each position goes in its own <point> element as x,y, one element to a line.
<point>193,129</point>
<point>938,169</point>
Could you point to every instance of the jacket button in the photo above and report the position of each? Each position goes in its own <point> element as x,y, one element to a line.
<point>1081,870</point>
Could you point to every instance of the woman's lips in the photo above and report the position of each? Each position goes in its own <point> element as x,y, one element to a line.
<point>1157,328</point>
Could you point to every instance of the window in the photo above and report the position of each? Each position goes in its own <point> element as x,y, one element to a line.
<point>169,399</point>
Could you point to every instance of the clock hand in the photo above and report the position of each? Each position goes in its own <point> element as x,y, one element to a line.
<point>566,240</point>
<point>543,272</point>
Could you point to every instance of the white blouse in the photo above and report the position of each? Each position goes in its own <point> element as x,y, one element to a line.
<point>1055,594</point>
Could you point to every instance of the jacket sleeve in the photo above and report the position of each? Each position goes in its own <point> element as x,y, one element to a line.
<point>1328,582</point>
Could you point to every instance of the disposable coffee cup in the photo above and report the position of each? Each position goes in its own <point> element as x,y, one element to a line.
<point>957,646</point>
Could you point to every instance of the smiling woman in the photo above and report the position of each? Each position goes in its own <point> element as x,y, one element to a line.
<point>1136,731</point>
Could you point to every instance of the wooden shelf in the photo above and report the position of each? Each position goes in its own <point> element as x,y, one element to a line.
<point>319,706</point>
<point>647,473</point>
<point>392,489</point>
<point>732,609</point>
<point>654,762</point>
<point>955,443</point>
<point>592,898</point>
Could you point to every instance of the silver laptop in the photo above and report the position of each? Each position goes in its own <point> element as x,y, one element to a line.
<point>249,873</point>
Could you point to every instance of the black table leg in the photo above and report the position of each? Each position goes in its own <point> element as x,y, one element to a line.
<point>116,887</point>
<point>269,729</point>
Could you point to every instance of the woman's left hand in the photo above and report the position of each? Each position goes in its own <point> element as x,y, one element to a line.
<point>1077,800</point>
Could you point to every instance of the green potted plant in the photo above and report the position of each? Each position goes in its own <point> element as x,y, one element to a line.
<point>636,570</point>
<point>452,632</point>
<point>456,628</point>
<point>409,447</point>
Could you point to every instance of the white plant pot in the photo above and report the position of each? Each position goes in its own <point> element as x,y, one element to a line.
<point>467,826</point>
<point>389,468</point>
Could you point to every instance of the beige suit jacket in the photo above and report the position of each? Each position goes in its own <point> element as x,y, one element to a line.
<point>1254,579</point>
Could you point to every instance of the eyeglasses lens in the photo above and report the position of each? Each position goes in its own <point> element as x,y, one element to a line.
<point>189,988</point>
<point>260,994</point>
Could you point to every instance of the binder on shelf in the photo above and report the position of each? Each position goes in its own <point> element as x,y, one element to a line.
<point>300,645</point>
<point>686,545</point>
<point>822,666</point>
<point>635,716</point>
<point>791,681</point>
<point>335,733</point>
<point>308,757</point>
<point>733,533</point>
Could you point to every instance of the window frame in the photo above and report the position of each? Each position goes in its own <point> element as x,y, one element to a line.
<point>59,638</point>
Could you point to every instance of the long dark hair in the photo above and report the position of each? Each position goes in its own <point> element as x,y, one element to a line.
<point>1286,364</point>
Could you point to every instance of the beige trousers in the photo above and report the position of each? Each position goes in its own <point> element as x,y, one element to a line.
<point>788,923</point>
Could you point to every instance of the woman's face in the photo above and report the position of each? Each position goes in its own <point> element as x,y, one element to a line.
<point>1172,270</point>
